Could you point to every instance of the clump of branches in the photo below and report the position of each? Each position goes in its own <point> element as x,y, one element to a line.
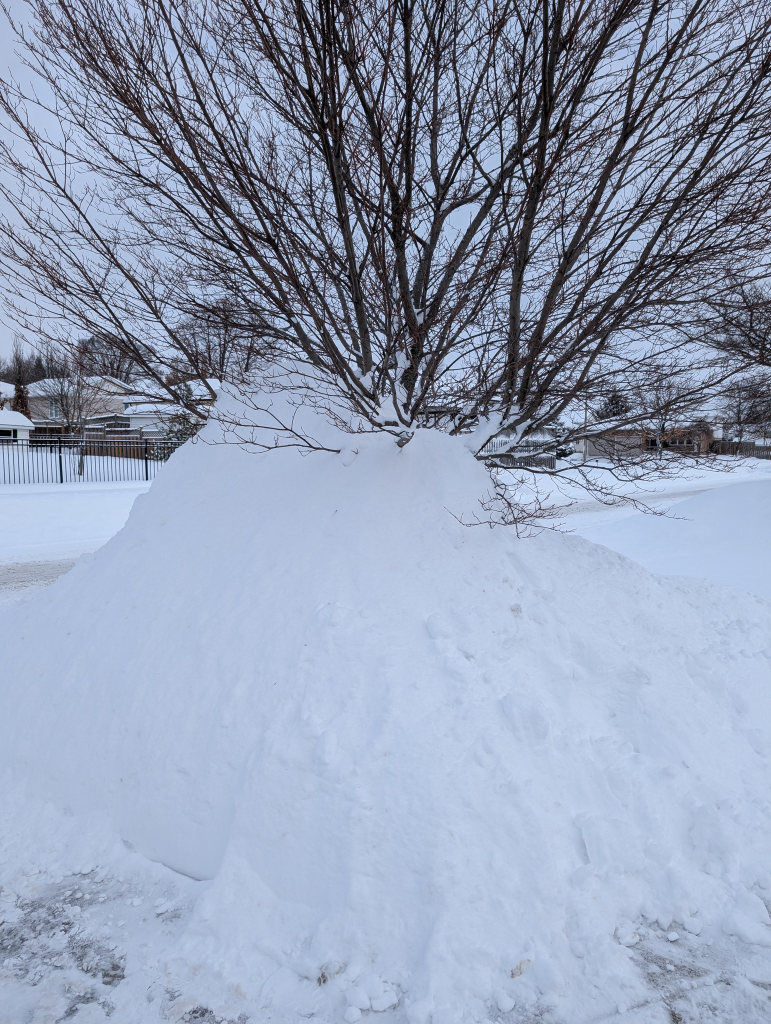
<point>746,408</point>
<point>482,216</point>
<point>741,324</point>
<point>23,365</point>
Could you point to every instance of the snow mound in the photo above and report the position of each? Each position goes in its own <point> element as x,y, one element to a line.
<point>721,534</point>
<point>433,772</point>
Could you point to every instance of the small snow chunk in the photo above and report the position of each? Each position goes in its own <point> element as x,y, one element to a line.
<point>438,628</point>
<point>358,998</point>
<point>673,936</point>
<point>628,937</point>
<point>352,1014</point>
<point>504,1002</point>
<point>163,907</point>
<point>385,1002</point>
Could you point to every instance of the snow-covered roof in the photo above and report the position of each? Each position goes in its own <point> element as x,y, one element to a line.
<point>147,408</point>
<point>140,390</point>
<point>150,391</point>
<point>51,385</point>
<point>17,420</point>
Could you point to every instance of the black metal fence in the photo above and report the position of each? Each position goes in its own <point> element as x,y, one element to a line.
<point>525,455</point>
<point>65,460</point>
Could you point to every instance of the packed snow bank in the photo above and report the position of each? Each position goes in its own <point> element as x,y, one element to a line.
<point>720,535</point>
<point>434,772</point>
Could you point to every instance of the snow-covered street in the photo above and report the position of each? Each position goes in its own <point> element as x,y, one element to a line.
<point>19,578</point>
<point>721,534</point>
<point>44,522</point>
<point>44,528</point>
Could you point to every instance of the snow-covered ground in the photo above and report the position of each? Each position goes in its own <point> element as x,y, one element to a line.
<point>41,522</point>
<point>713,525</point>
<point>723,535</point>
<point>44,528</point>
<point>297,745</point>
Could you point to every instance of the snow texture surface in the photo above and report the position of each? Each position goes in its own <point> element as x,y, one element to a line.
<point>331,754</point>
<point>721,534</point>
<point>43,522</point>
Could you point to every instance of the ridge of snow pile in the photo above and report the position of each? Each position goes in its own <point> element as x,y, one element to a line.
<point>435,772</point>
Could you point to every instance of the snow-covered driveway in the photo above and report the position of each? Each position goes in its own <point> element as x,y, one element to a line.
<point>19,578</point>
<point>44,528</point>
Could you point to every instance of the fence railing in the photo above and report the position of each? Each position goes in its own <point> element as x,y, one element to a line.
<point>525,455</point>
<point>746,449</point>
<point>64,460</point>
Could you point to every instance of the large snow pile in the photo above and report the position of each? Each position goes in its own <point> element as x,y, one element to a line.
<point>433,772</point>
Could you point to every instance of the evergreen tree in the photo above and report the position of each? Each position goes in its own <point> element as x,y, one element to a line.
<point>614,406</point>
<point>20,400</point>
<point>183,425</point>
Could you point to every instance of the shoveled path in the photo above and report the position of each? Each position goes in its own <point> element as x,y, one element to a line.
<point>19,578</point>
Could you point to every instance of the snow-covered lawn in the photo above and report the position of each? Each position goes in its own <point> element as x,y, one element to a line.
<point>41,522</point>
<point>722,535</point>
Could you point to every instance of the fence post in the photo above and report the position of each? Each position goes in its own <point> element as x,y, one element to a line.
<point>147,476</point>
<point>61,471</point>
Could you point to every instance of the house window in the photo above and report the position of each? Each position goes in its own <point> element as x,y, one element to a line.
<point>54,411</point>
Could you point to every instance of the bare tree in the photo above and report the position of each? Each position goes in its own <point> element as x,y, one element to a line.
<point>19,373</point>
<point>25,364</point>
<point>497,209</point>
<point>741,323</point>
<point>69,391</point>
<point>747,407</point>
<point>97,357</point>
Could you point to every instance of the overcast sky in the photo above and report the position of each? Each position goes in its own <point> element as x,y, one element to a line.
<point>7,60</point>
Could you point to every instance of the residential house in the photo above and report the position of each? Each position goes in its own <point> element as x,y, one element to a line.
<point>58,405</point>
<point>148,410</point>
<point>102,406</point>
<point>694,438</point>
<point>14,426</point>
